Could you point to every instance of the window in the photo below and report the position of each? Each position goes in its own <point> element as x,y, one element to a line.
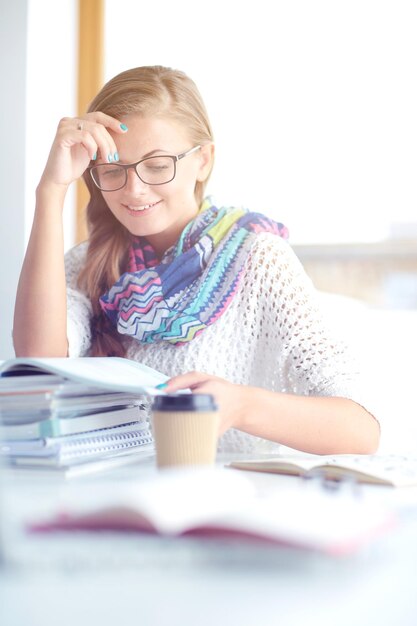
<point>322,93</point>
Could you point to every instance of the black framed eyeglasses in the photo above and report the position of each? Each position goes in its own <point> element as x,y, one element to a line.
<point>153,170</point>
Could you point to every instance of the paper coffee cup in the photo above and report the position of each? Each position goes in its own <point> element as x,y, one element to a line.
<point>185,428</point>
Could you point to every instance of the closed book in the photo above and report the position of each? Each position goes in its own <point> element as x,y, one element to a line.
<point>56,426</point>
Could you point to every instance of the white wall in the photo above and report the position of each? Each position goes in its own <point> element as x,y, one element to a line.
<point>37,67</point>
<point>13,45</point>
<point>52,46</point>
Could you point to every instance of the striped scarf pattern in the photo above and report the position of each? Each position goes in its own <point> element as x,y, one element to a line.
<point>175,299</point>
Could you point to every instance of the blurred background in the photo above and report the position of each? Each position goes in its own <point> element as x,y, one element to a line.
<point>313,105</point>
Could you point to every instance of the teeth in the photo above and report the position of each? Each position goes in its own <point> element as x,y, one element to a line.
<point>140,208</point>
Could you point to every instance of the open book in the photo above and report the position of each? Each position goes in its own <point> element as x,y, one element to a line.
<point>392,470</point>
<point>223,504</point>
<point>111,373</point>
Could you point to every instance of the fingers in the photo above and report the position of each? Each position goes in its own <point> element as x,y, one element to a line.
<point>100,126</point>
<point>109,122</point>
<point>87,140</point>
<point>190,380</point>
<point>92,131</point>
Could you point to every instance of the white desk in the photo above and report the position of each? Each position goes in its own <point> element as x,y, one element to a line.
<point>105,578</point>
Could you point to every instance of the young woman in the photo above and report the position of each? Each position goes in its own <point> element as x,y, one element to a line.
<point>213,297</point>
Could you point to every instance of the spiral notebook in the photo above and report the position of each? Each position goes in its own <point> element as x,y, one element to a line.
<point>69,450</point>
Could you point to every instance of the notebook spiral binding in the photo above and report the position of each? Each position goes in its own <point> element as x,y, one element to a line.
<point>105,443</point>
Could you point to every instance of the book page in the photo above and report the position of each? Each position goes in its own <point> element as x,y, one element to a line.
<point>215,502</point>
<point>395,470</point>
<point>291,464</point>
<point>109,372</point>
<point>173,501</point>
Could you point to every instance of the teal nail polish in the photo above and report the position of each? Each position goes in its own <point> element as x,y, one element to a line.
<point>116,156</point>
<point>94,156</point>
<point>110,158</point>
<point>162,386</point>
<point>123,126</point>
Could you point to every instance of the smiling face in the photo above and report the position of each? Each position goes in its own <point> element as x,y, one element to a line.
<point>158,212</point>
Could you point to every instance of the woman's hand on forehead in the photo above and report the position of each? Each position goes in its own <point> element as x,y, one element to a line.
<point>78,141</point>
<point>98,128</point>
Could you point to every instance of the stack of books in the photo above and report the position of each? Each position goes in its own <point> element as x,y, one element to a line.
<point>60,413</point>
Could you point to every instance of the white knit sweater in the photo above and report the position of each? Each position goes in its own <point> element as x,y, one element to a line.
<point>273,335</point>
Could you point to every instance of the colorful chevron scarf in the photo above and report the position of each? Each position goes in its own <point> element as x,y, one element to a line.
<point>176,298</point>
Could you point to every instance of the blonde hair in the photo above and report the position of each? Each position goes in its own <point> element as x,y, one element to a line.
<point>146,91</point>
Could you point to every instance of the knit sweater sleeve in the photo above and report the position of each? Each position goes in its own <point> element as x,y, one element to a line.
<point>313,357</point>
<point>79,309</point>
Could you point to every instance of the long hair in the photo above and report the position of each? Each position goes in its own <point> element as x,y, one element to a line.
<point>145,91</point>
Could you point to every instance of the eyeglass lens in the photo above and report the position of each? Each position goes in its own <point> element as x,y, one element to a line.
<point>152,171</point>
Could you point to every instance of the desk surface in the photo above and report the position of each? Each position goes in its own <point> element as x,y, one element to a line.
<point>108,578</point>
